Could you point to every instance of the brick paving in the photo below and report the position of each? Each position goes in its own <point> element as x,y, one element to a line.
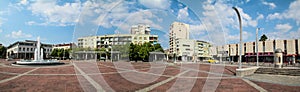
<point>66,78</point>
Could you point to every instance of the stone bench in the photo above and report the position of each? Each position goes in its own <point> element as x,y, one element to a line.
<point>245,71</point>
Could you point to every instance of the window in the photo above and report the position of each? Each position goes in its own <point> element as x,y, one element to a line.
<point>27,49</point>
<point>185,45</point>
<point>23,49</point>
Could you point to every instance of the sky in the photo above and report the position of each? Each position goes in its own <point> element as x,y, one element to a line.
<point>214,21</point>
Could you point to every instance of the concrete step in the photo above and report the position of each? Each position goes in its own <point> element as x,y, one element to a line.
<point>290,72</point>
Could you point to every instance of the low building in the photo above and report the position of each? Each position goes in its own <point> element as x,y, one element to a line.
<point>266,49</point>
<point>187,50</point>
<point>25,49</point>
<point>64,46</point>
<point>139,34</point>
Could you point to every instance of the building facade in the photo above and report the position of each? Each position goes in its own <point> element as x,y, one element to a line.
<point>188,49</point>
<point>64,46</point>
<point>25,50</point>
<point>140,29</point>
<point>177,30</point>
<point>266,49</point>
<point>139,34</point>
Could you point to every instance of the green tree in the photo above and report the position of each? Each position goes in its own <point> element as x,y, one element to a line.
<point>141,52</point>
<point>263,38</point>
<point>2,51</point>
<point>133,52</point>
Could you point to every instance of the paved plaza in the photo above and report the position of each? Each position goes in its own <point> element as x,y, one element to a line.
<point>137,76</point>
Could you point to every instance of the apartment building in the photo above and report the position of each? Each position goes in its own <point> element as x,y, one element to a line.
<point>64,46</point>
<point>188,49</point>
<point>25,49</point>
<point>140,29</point>
<point>266,49</point>
<point>177,30</point>
<point>139,35</point>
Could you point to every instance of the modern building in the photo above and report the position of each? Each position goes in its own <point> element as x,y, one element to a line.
<point>188,49</point>
<point>140,29</point>
<point>266,49</point>
<point>139,35</point>
<point>177,30</point>
<point>64,46</point>
<point>25,49</point>
<point>183,48</point>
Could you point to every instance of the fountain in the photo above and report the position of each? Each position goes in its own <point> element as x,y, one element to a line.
<point>38,57</point>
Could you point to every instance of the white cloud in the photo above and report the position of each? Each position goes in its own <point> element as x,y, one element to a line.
<point>291,13</point>
<point>122,18</point>
<point>30,23</point>
<point>197,29</point>
<point>23,2</point>
<point>283,27</point>
<point>183,14</point>
<point>1,30</point>
<point>219,20</point>
<point>59,15</point>
<point>294,34</point>
<point>282,32</point>
<point>271,5</point>
<point>18,34</point>
<point>156,4</point>
<point>274,16</point>
<point>247,1</point>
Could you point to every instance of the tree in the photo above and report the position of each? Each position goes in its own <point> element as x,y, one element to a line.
<point>2,51</point>
<point>141,52</point>
<point>263,38</point>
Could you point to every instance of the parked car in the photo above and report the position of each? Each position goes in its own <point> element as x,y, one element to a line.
<point>213,61</point>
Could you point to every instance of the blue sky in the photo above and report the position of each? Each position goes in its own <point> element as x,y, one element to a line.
<point>62,21</point>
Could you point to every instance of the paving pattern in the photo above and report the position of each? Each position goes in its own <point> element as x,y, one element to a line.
<point>79,76</point>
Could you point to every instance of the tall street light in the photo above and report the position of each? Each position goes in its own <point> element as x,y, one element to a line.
<point>256,46</point>
<point>241,38</point>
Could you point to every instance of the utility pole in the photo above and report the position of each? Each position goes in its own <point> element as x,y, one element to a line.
<point>256,46</point>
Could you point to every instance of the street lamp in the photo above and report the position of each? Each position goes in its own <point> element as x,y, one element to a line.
<point>256,46</point>
<point>241,38</point>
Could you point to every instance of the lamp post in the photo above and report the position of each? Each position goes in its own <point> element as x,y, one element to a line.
<point>241,38</point>
<point>256,46</point>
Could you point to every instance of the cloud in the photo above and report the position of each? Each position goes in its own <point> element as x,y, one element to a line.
<point>30,23</point>
<point>18,34</point>
<point>283,27</point>
<point>122,17</point>
<point>290,13</point>
<point>274,16</point>
<point>197,29</point>
<point>1,30</point>
<point>183,14</point>
<point>53,14</point>
<point>23,2</point>
<point>271,5</point>
<point>294,34</point>
<point>156,4</point>
<point>282,32</point>
<point>220,20</point>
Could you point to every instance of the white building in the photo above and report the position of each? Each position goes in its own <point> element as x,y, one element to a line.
<point>187,49</point>
<point>266,49</point>
<point>177,30</point>
<point>139,34</point>
<point>64,46</point>
<point>25,50</point>
<point>140,29</point>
